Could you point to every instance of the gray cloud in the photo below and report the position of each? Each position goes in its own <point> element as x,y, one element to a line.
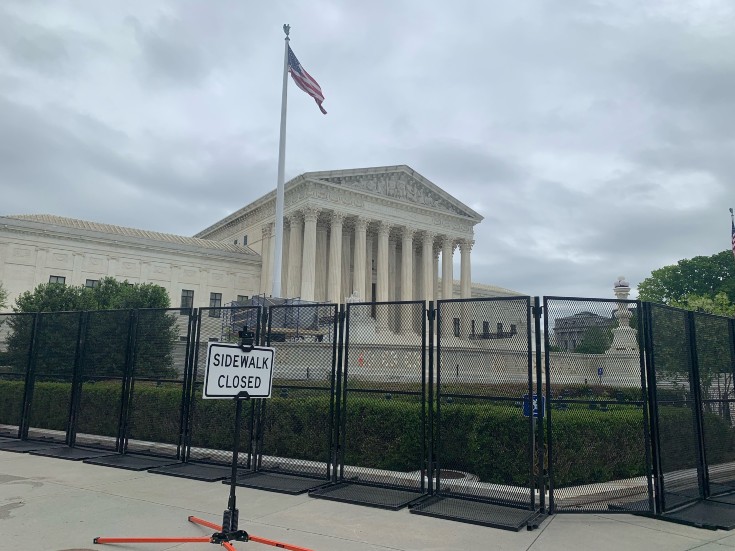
<point>595,137</point>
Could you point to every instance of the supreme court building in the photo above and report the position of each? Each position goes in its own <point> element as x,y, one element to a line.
<point>374,234</point>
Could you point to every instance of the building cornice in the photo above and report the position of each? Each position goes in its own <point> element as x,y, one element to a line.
<point>38,229</point>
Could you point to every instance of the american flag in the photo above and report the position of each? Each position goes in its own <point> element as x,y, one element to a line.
<point>304,80</point>
<point>732,221</point>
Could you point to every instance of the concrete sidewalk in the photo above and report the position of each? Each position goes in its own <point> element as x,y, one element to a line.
<point>57,505</point>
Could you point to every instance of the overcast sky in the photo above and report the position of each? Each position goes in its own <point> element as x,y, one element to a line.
<point>595,137</point>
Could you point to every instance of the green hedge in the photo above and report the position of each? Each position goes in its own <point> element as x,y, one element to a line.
<point>487,440</point>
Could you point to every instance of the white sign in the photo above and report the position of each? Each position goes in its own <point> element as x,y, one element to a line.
<point>230,370</point>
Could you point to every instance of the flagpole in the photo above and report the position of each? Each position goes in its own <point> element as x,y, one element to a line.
<point>278,252</point>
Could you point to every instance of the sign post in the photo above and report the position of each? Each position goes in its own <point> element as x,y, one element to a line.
<point>240,372</point>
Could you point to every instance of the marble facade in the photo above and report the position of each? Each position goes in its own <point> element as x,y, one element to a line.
<point>376,232</point>
<point>381,233</point>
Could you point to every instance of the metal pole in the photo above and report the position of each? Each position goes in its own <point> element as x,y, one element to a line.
<point>278,250</point>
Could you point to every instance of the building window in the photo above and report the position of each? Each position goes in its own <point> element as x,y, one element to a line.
<point>215,301</point>
<point>486,329</point>
<point>187,300</point>
<point>242,298</point>
<point>500,330</point>
<point>472,328</point>
<point>92,283</point>
<point>456,327</point>
<point>57,279</point>
<point>235,242</point>
<point>245,240</point>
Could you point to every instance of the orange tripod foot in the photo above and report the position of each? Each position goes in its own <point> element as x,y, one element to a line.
<point>220,538</point>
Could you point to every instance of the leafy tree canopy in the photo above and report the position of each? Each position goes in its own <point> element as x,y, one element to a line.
<point>3,296</point>
<point>595,340</point>
<point>701,276</point>
<point>719,305</point>
<point>109,295</point>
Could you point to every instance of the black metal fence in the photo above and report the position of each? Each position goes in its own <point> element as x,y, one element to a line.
<point>295,427</point>
<point>597,416</point>
<point>381,419</point>
<point>484,438</point>
<point>457,410</point>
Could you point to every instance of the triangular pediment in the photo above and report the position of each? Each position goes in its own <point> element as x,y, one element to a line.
<point>399,183</point>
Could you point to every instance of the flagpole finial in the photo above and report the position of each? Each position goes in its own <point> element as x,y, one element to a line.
<point>286,29</point>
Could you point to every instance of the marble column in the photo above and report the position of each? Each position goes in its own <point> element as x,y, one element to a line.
<point>322,266</point>
<point>428,265</point>
<point>308,263</point>
<point>265,255</point>
<point>286,246</point>
<point>393,280</point>
<point>465,247</point>
<point>335,258</point>
<point>447,267</point>
<point>406,276</point>
<point>465,286</point>
<point>295,247</point>
<point>369,263</point>
<point>383,273</point>
<point>346,263</point>
<point>435,270</point>
<point>360,254</point>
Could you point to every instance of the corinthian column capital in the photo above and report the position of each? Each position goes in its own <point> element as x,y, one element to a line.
<point>311,213</point>
<point>337,218</point>
<point>465,245</point>
<point>408,232</point>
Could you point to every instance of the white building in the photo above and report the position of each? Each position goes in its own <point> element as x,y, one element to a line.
<point>376,232</point>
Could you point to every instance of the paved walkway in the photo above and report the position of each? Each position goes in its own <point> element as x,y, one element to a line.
<point>58,505</point>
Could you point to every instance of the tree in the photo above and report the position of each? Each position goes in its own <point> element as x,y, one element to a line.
<point>595,340</point>
<point>719,305</point>
<point>3,296</point>
<point>705,276</point>
<point>104,328</point>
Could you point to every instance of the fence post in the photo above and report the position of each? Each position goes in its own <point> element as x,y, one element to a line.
<point>430,317</point>
<point>337,394</point>
<point>124,392</point>
<point>549,431</point>
<point>659,499</point>
<point>186,384</point>
<point>696,391</point>
<point>541,480</point>
<point>643,340</point>
<point>76,378</point>
<point>30,377</point>
<point>197,313</point>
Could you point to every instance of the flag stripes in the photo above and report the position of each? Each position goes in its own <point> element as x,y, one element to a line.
<point>304,80</point>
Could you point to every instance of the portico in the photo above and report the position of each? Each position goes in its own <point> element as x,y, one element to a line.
<point>374,232</point>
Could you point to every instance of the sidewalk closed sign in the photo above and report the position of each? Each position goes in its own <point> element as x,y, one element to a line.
<point>230,370</point>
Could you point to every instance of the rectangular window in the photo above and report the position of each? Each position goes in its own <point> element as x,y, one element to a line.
<point>242,298</point>
<point>472,328</point>
<point>92,283</point>
<point>235,242</point>
<point>456,327</point>
<point>57,279</point>
<point>500,330</point>
<point>486,329</point>
<point>187,300</point>
<point>215,301</point>
<point>245,240</point>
